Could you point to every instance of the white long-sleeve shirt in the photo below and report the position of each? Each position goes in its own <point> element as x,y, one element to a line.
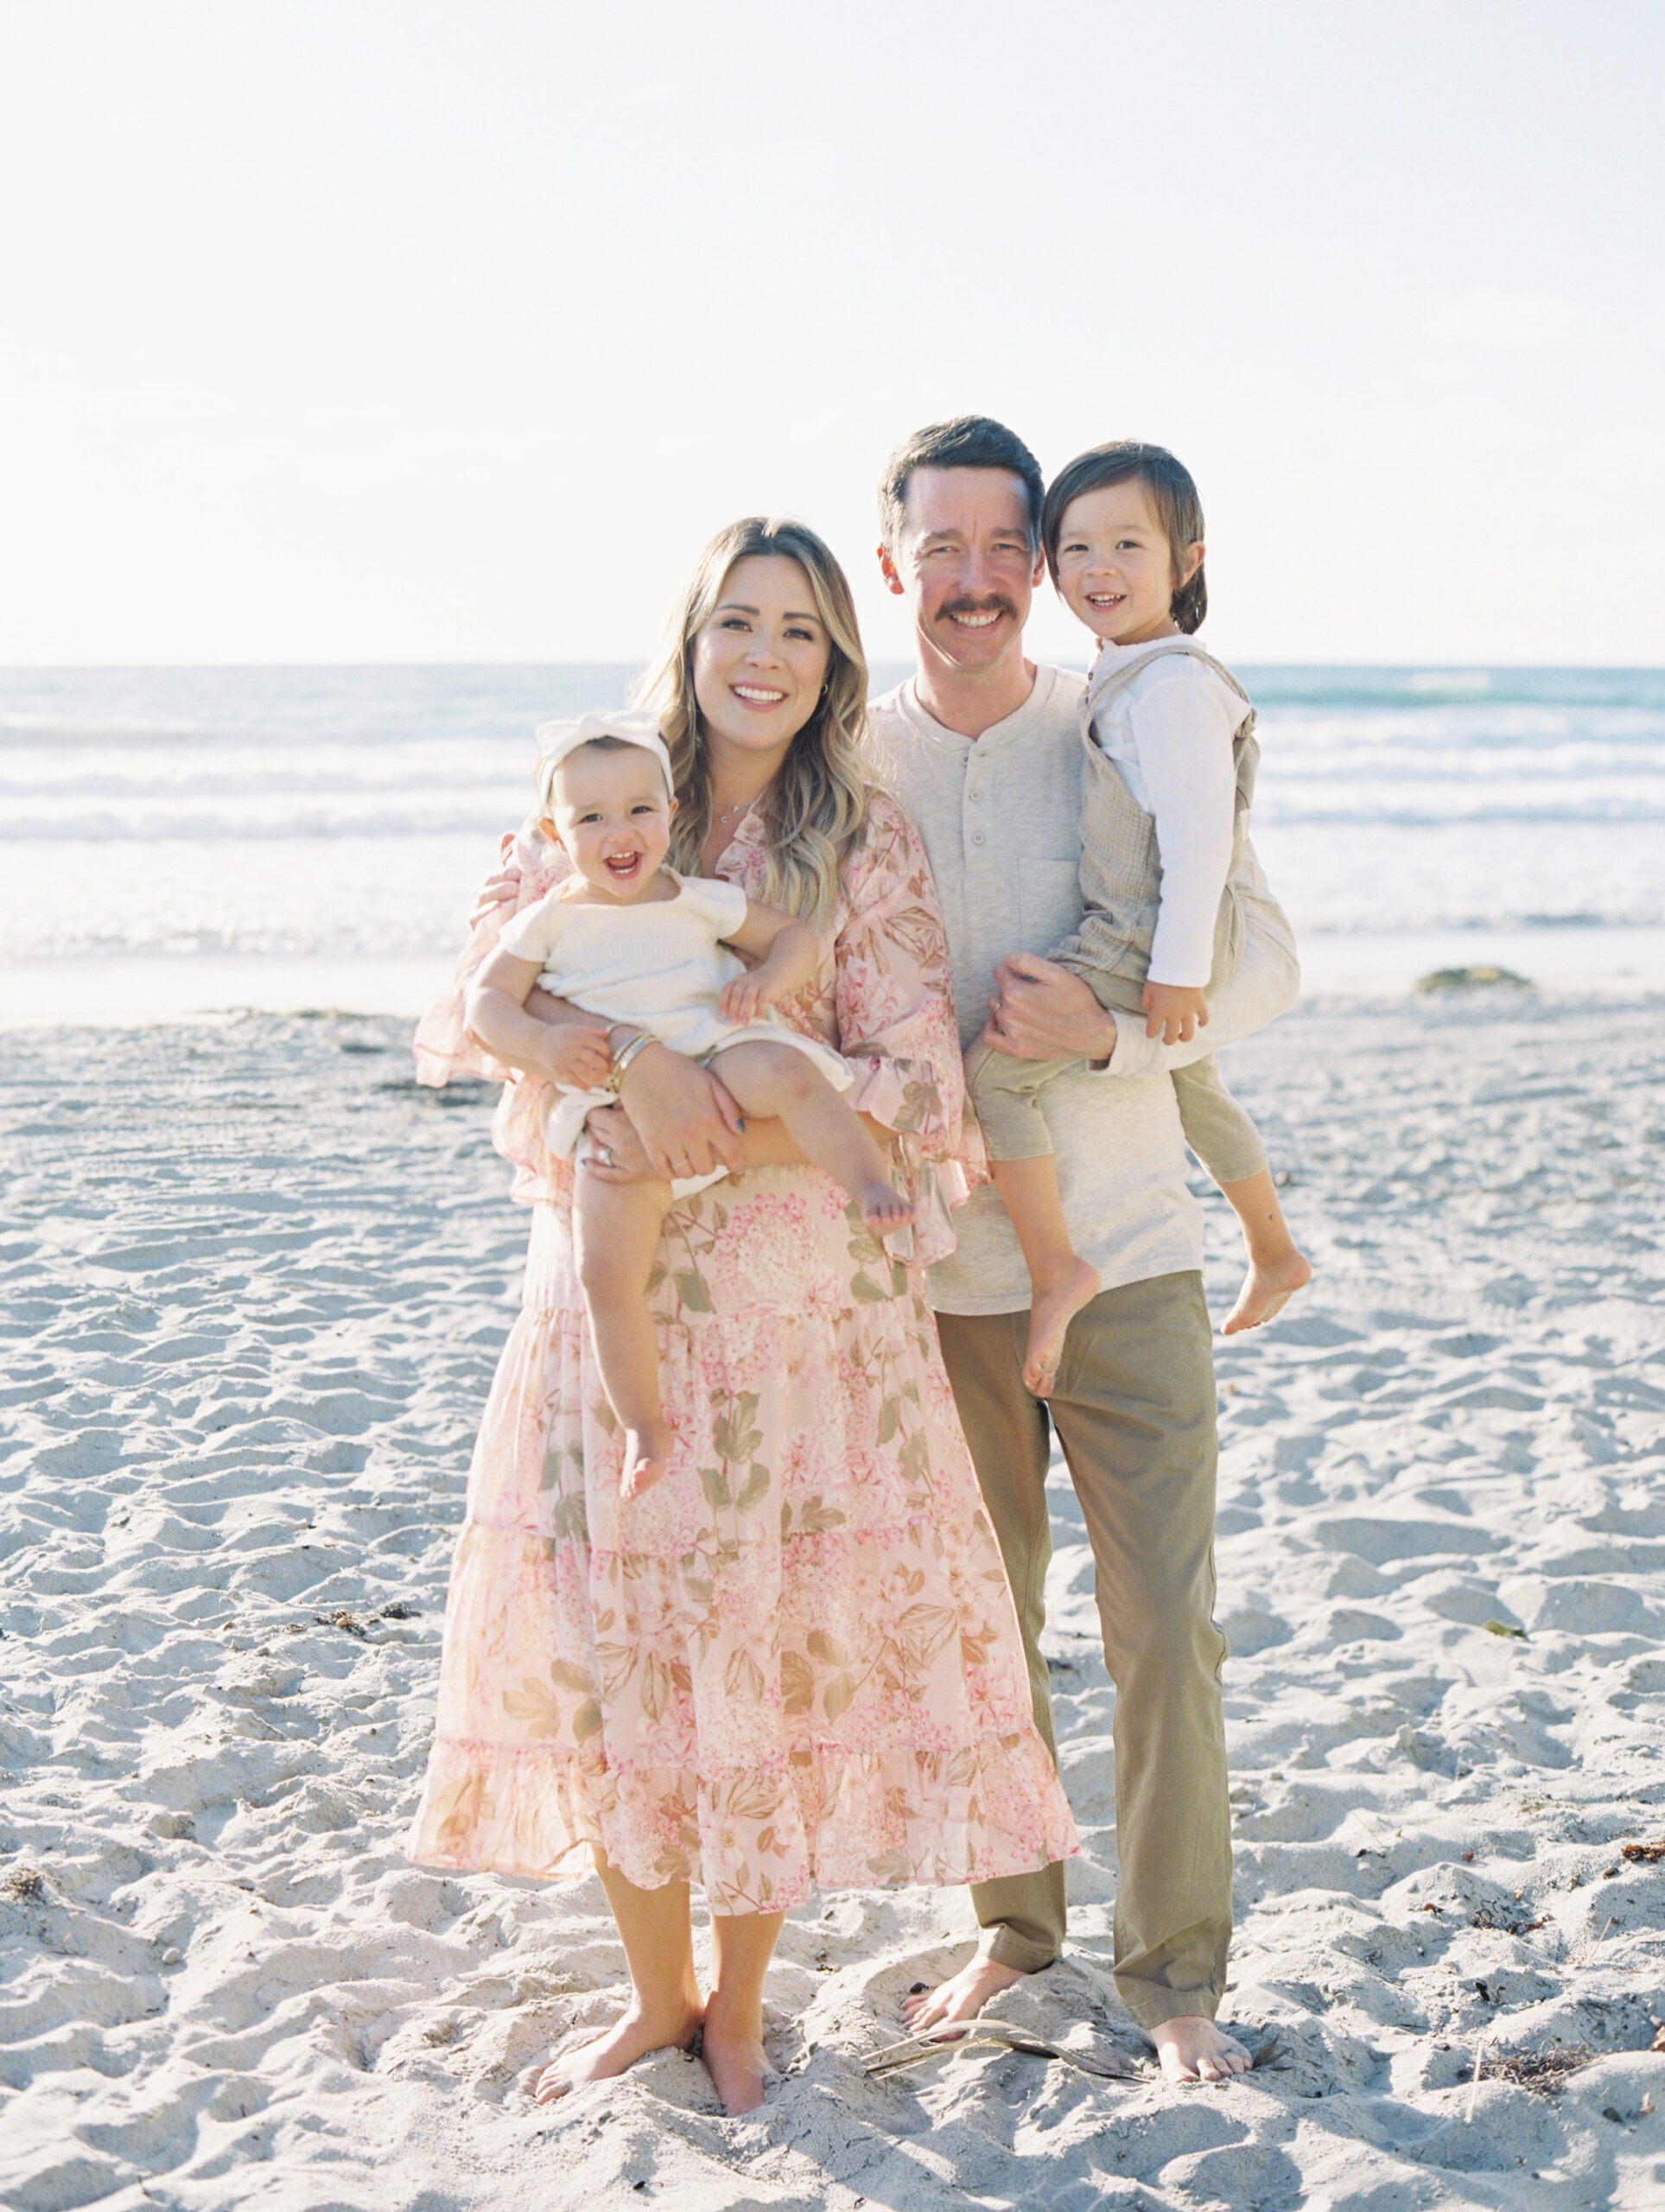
<point>1169,733</point>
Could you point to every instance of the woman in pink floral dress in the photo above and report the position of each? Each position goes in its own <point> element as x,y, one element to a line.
<point>795,1662</point>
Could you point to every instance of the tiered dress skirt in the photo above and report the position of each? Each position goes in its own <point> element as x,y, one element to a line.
<point>795,1662</point>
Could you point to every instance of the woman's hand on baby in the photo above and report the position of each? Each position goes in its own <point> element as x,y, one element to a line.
<point>612,1150</point>
<point>687,1122</point>
<point>1174,1012</point>
<point>496,892</point>
<point>576,1056</point>
<point>748,998</point>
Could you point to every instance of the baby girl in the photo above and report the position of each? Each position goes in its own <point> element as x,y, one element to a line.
<point>625,937</point>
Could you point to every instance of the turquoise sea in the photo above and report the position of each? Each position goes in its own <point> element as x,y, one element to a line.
<point>183,836</point>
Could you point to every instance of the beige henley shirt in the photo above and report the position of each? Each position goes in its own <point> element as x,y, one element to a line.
<point>1000,817</point>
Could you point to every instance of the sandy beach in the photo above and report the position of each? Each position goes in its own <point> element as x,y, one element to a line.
<point>254,1283</point>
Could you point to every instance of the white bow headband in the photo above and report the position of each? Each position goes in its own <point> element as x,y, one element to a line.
<point>556,739</point>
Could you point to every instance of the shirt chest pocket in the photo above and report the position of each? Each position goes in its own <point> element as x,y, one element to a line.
<point>1049,902</point>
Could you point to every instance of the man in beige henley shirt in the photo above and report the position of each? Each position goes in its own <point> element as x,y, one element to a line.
<point>983,750</point>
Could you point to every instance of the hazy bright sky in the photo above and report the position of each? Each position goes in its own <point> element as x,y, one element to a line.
<point>448,329</point>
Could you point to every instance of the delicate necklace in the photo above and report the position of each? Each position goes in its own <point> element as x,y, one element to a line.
<point>728,813</point>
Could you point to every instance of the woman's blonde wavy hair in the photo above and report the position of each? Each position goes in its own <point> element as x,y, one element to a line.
<point>819,801</point>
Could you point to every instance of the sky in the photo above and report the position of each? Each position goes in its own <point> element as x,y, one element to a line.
<point>382,330</point>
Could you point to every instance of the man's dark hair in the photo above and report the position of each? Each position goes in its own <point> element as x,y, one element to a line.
<point>967,441</point>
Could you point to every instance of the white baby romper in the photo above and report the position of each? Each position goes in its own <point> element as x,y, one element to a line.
<point>658,964</point>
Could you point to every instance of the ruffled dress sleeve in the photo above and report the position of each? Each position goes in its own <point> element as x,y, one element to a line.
<point>894,1011</point>
<point>444,1047</point>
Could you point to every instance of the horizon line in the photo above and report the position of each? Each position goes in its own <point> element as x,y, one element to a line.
<point>1425,664</point>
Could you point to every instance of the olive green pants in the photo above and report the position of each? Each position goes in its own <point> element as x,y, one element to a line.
<point>1133,1408</point>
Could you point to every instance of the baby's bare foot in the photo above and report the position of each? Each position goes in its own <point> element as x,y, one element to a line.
<point>883,1211</point>
<point>1267,1288</point>
<point>1053,1307</point>
<point>628,2039</point>
<point>647,1455</point>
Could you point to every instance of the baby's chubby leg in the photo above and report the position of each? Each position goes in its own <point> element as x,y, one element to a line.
<point>616,1232</point>
<point>777,1080</point>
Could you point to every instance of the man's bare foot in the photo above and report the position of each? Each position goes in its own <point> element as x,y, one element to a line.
<point>1267,1288</point>
<point>1051,1308</point>
<point>734,2055</point>
<point>883,1210</point>
<point>962,1997</point>
<point>648,1455</point>
<point>628,2039</point>
<point>1192,2049</point>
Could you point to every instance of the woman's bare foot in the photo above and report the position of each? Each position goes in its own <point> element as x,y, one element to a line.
<point>628,2039</point>
<point>883,1210</point>
<point>647,1455</point>
<point>1191,2048</point>
<point>962,1997</point>
<point>734,2055</point>
<point>1052,1306</point>
<point>1267,1288</point>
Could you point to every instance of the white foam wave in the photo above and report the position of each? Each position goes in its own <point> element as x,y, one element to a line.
<point>351,811</point>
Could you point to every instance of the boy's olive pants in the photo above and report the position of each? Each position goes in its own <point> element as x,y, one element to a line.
<point>1134,1407</point>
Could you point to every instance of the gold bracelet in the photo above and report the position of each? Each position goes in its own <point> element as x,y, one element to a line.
<point>616,1073</point>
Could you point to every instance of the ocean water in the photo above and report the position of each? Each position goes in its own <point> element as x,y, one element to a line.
<point>236,816</point>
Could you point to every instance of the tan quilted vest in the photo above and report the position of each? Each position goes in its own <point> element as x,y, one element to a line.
<point>1121,864</point>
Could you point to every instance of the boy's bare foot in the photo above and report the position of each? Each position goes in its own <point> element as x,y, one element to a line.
<point>1267,1288</point>
<point>628,2039</point>
<point>734,2055</point>
<point>1053,1306</point>
<point>648,1455</point>
<point>883,1209</point>
<point>962,1997</point>
<point>1192,2049</point>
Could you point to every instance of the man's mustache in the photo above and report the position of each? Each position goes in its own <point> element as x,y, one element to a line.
<point>996,604</point>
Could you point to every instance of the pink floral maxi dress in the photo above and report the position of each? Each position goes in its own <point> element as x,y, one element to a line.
<point>794,1661</point>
